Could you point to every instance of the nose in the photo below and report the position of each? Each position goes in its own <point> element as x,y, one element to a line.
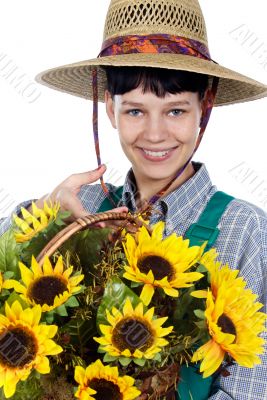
<point>155,130</point>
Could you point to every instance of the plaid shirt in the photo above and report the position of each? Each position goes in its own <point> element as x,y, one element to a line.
<point>242,243</point>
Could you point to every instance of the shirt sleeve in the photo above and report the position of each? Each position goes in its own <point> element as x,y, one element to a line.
<point>91,197</point>
<point>5,223</point>
<point>243,243</point>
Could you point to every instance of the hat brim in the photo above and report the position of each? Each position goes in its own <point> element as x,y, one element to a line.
<point>76,78</point>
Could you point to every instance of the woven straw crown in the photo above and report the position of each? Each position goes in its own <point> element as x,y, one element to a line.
<point>181,18</point>
<point>142,17</point>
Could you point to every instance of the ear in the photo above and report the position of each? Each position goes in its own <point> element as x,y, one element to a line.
<point>110,108</point>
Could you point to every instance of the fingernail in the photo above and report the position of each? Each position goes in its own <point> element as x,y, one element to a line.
<point>100,166</point>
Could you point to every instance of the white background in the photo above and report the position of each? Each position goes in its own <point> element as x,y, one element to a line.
<point>44,141</point>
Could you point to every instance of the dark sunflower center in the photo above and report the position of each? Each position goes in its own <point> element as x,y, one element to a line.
<point>17,347</point>
<point>105,390</point>
<point>158,265</point>
<point>132,334</point>
<point>226,324</point>
<point>45,289</point>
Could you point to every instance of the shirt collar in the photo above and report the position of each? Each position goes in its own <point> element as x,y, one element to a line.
<point>175,206</point>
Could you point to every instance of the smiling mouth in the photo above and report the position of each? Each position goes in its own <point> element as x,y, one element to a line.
<point>158,153</point>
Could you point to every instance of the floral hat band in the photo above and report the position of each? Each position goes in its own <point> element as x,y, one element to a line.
<point>155,43</point>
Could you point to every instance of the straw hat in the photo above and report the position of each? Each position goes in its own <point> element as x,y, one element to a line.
<point>173,19</point>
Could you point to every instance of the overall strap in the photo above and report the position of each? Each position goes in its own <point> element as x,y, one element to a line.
<point>106,204</point>
<point>206,226</point>
<point>192,386</point>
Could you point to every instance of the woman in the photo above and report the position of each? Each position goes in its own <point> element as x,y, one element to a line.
<point>159,83</point>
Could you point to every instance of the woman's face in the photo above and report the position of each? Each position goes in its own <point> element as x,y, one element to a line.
<point>157,135</point>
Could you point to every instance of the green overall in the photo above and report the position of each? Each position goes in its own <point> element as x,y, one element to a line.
<point>192,386</point>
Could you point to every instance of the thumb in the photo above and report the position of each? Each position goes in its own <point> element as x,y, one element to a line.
<point>75,181</point>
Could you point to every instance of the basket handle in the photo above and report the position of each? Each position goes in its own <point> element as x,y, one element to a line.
<point>79,225</point>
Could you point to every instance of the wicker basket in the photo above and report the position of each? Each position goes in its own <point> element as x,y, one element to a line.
<point>161,383</point>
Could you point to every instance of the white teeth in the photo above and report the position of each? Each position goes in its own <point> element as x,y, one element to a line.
<point>156,153</point>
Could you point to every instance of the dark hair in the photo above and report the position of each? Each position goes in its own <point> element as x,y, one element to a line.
<point>156,80</point>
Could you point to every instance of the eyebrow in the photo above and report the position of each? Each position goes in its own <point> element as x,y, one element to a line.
<point>172,103</point>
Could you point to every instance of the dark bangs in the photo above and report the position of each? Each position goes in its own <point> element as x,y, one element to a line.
<point>159,81</point>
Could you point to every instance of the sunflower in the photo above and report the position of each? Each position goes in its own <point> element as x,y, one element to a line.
<point>234,324</point>
<point>157,262</point>
<point>24,345</point>
<point>98,381</point>
<point>31,224</point>
<point>44,285</point>
<point>218,274</point>
<point>133,334</point>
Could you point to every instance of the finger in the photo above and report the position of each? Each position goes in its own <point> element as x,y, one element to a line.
<point>119,209</point>
<point>73,204</point>
<point>113,223</point>
<point>75,181</point>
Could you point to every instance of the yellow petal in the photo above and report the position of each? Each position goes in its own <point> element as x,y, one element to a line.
<point>26,274</point>
<point>43,366</point>
<point>126,353</point>
<point>199,294</point>
<point>13,284</point>
<point>147,294</point>
<point>37,270</point>
<point>105,329</point>
<point>47,267</point>
<point>171,292</point>
<point>13,312</point>
<point>79,375</point>
<point>59,266</point>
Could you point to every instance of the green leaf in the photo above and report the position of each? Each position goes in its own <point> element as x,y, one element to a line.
<point>101,350</point>
<point>157,357</point>
<point>139,361</point>
<point>61,310</point>
<point>201,268</point>
<point>62,215</point>
<point>109,358</point>
<point>34,246</point>
<point>72,302</point>
<point>16,297</point>
<point>8,275</point>
<point>80,331</point>
<point>201,324</point>
<point>200,314</point>
<point>115,295</point>
<point>183,303</point>
<point>11,299</point>
<point>124,361</point>
<point>60,223</point>
<point>49,317</point>
<point>4,292</point>
<point>135,284</point>
<point>8,253</point>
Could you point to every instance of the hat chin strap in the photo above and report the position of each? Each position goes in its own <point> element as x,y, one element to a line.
<point>207,106</point>
<point>95,131</point>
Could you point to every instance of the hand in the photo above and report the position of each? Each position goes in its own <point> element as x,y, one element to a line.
<point>66,193</point>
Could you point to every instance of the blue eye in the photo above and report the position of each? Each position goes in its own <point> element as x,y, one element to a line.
<point>134,112</point>
<point>176,112</point>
